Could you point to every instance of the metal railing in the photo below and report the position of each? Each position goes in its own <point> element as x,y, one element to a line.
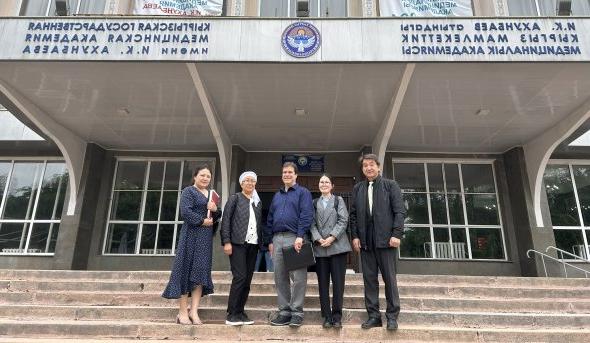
<point>562,252</point>
<point>565,264</point>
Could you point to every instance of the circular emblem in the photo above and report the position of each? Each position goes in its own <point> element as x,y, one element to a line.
<point>301,39</point>
<point>302,160</point>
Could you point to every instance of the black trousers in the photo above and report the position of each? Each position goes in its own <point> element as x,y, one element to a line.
<point>374,261</point>
<point>242,261</point>
<point>335,267</point>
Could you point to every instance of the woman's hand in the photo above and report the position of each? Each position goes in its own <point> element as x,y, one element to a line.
<point>356,244</point>
<point>328,241</point>
<point>227,249</point>
<point>208,222</point>
<point>211,206</point>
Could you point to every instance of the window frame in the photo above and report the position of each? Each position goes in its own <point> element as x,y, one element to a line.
<point>140,222</point>
<point>466,226</point>
<point>30,223</point>
<point>319,9</point>
<point>570,163</point>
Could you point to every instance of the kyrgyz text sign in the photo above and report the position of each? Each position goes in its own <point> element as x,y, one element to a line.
<point>243,40</point>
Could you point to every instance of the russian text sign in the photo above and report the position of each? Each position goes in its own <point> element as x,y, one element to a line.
<point>255,40</point>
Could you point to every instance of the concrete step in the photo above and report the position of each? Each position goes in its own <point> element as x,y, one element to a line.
<point>220,276</point>
<point>312,316</point>
<point>268,301</point>
<point>267,287</point>
<point>307,332</point>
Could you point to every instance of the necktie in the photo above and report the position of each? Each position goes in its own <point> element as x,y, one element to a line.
<point>370,196</point>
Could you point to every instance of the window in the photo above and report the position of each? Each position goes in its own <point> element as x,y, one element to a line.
<point>453,211</point>
<point>143,216</point>
<point>33,194</point>
<point>568,195</point>
<point>297,8</point>
<point>549,8</point>
<point>48,7</point>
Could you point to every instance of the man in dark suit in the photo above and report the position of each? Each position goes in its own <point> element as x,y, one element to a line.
<point>377,223</point>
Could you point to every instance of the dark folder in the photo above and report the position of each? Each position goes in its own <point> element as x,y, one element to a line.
<point>296,260</point>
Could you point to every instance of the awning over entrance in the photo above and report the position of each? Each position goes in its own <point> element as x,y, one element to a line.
<point>384,83</point>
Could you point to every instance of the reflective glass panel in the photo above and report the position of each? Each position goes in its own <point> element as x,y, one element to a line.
<point>478,178</point>
<point>482,209</point>
<point>22,190</point>
<point>122,238</point>
<point>410,176</point>
<point>417,208</point>
<point>460,249</point>
<point>571,241</point>
<point>130,175</point>
<point>438,208</point>
<point>126,205</point>
<point>12,237</point>
<point>165,239</point>
<point>435,177</point>
<point>53,191</point>
<point>486,243</point>
<point>148,239</point>
<point>452,178</point>
<point>582,178</point>
<point>416,243</point>
<point>560,196</point>
<point>456,209</point>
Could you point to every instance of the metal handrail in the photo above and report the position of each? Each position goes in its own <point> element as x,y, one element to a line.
<point>565,264</point>
<point>567,253</point>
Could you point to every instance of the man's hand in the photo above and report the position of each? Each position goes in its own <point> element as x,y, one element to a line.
<point>227,249</point>
<point>270,249</point>
<point>208,222</point>
<point>328,241</point>
<point>394,242</point>
<point>298,243</point>
<point>356,245</point>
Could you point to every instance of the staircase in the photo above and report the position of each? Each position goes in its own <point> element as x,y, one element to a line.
<point>47,305</point>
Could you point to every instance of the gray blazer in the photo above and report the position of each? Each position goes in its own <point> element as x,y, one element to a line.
<point>327,222</point>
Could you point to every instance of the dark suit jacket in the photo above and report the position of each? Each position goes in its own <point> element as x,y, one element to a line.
<point>388,212</point>
<point>236,215</point>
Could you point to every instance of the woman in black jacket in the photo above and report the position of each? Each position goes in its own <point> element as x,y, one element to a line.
<point>241,236</point>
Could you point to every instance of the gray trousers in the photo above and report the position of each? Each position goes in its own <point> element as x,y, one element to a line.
<point>290,285</point>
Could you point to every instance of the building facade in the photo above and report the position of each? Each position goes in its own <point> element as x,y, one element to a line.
<point>107,113</point>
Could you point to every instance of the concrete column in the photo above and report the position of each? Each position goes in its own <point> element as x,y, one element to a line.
<point>75,232</point>
<point>528,235</point>
<point>10,8</point>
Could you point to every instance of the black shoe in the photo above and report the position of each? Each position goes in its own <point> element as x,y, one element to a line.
<point>296,321</point>
<point>391,324</point>
<point>234,320</point>
<point>327,323</point>
<point>372,323</point>
<point>280,321</point>
<point>337,323</point>
<point>245,319</point>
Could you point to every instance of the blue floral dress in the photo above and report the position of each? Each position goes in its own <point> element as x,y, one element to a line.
<point>192,264</point>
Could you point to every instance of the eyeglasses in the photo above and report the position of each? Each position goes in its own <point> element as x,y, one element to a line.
<point>249,181</point>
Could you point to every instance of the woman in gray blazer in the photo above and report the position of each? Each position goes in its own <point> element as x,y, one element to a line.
<point>331,247</point>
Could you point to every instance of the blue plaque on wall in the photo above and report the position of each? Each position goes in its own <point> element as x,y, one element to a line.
<point>306,163</point>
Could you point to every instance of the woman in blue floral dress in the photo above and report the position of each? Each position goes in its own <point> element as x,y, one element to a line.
<point>191,271</point>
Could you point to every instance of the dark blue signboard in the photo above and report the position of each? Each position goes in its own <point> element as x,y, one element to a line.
<point>306,163</point>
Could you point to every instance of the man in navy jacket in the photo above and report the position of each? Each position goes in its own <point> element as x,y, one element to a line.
<point>289,218</point>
